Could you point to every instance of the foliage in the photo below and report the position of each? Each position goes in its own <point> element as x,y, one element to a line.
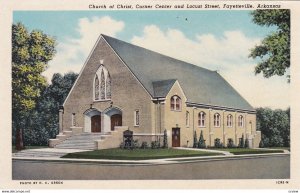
<point>201,143</point>
<point>274,126</point>
<point>155,145</point>
<point>247,143</point>
<point>218,143</point>
<point>274,50</point>
<point>242,142</point>
<point>165,142</point>
<point>43,122</point>
<point>144,145</point>
<point>31,53</point>
<point>230,143</point>
<point>195,142</point>
<point>261,144</point>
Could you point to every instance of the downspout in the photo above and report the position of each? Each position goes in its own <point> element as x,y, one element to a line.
<point>223,128</point>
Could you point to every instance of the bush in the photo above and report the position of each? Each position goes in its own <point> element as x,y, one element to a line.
<point>195,143</point>
<point>247,143</point>
<point>230,143</point>
<point>242,144</point>
<point>144,145</point>
<point>218,143</point>
<point>135,144</point>
<point>201,143</point>
<point>155,145</point>
<point>122,145</point>
<point>261,144</point>
<point>165,145</point>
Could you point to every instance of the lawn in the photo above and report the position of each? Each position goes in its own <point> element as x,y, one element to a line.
<point>240,151</point>
<point>137,154</point>
<point>28,147</point>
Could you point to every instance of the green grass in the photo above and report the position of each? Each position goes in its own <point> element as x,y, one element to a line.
<point>283,148</point>
<point>137,154</point>
<point>240,151</point>
<point>27,147</point>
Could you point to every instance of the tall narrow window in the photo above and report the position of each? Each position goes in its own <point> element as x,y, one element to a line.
<point>96,88</point>
<point>136,118</point>
<point>241,121</point>
<point>108,83</point>
<point>229,120</point>
<point>217,120</point>
<point>175,103</point>
<point>187,119</point>
<point>201,119</point>
<point>102,84</point>
<point>73,119</point>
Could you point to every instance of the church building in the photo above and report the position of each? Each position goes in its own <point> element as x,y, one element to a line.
<point>122,86</point>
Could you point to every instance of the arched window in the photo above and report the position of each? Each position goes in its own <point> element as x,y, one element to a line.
<point>96,87</point>
<point>201,119</point>
<point>229,120</point>
<point>187,119</point>
<point>241,121</point>
<point>217,122</point>
<point>175,103</point>
<point>102,84</point>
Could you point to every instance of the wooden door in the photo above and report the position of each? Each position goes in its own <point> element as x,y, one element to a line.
<point>176,137</point>
<point>96,123</point>
<point>115,120</point>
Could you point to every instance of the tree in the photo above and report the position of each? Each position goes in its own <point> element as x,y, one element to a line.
<point>201,143</point>
<point>31,53</point>
<point>44,118</point>
<point>195,143</point>
<point>274,50</point>
<point>274,126</point>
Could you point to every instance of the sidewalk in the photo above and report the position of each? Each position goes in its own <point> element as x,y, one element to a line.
<point>54,155</point>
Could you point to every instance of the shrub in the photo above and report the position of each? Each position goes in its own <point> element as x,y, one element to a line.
<point>195,143</point>
<point>122,145</point>
<point>135,144</point>
<point>201,143</point>
<point>144,145</point>
<point>247,143</point>
<point>155,145</point>
<point>165,142</point>
<point>242,144</point>
<point>218,143</point>
<point>261,144</point>
<point>230,143</point>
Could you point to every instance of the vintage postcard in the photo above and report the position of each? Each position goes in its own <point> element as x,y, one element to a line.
<point>176,94</point>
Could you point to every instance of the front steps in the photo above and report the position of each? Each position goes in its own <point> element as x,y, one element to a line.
<point>88,141</point>
<point>81,141</point>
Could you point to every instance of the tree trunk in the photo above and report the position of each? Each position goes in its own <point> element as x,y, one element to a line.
<point>19,139</point>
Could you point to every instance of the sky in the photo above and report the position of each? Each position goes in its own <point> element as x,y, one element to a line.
<point>216,40</point>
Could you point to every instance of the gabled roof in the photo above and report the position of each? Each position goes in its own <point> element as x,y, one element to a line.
<point>157,72</point>
<point>162,88</point>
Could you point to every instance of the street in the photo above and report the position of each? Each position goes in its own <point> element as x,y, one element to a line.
<point>269,167</point>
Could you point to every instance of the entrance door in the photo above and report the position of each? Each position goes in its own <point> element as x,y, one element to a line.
<point>115,120</point>
<point>176,137</point>
<point>96,123</point>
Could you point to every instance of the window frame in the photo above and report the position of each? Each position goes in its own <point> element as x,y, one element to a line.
<point>217,120</point>
<point>104,85</point>
<point>175,103</point>
<point>201,119</point>
<point>241,121</point>
<point>229,120</point>
<point>136,118</point>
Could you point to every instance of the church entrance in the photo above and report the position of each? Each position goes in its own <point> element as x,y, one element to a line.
<point>96,123</point>
<point>115,120</point>
<point>176,137</point>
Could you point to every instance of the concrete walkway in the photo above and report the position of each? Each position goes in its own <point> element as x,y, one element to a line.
<point>226,153</point>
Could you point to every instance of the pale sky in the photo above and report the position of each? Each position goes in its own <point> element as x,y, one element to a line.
<point>216,40</point>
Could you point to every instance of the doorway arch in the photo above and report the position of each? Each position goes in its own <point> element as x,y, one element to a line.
<point>92,121</point>
<point>115,118</point>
